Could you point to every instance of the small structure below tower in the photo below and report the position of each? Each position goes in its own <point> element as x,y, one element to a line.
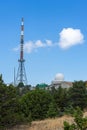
<point>21,73</point>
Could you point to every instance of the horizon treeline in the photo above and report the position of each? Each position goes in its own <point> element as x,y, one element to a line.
<point>22,105</point>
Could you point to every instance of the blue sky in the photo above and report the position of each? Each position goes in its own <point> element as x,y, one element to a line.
<point>55,39</point>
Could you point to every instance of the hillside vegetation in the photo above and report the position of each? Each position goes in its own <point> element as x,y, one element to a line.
<point>48,124</point>
<point>20,105</point>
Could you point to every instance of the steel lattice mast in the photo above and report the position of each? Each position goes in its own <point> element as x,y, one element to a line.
<point>21,74</point>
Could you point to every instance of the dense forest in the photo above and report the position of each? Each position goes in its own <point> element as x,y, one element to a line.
<point>19,105</point>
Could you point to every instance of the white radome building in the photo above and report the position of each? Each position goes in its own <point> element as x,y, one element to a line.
<point>59,81</point>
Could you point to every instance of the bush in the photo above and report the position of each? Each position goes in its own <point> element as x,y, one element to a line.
<point>36,103</point>
<point>80,122</point>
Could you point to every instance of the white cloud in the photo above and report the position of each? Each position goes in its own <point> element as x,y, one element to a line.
<point>39,43</point>
<point>49,43</point>
<point>16,48</point>
<point>30,46</point>
<point>70,37</point>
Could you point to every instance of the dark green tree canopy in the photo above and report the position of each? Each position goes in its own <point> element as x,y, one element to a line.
<point>36,103</point>
<point>78,94</point>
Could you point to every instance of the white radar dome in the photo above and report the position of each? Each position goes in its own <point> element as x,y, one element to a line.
<point>59,77</point>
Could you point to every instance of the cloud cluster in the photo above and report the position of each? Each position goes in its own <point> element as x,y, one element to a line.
<point>70,37</point>
<point>67,37</point>
<point>31,45</point>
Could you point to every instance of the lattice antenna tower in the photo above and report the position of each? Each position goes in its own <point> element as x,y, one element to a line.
<point>21,73</point>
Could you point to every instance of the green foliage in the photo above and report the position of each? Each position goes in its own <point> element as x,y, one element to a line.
<point>36,103</point>
<point>52,111</point>
<point>20,85</point>
<point>20,105</point>
<point>23,90</point>
<point>78,95</point>
<point>60,98</point>
<point>67,126</point>
<point>69,110</point>
<point>80,122</point>
<point>10,113</point>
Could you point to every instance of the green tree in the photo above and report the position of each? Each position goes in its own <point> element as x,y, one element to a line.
<point>20,85</point>
<point>36,103</point>
<point>52,111</point>
<point>10,113</point>
<point>23,90</point>
<point>60,98</point>
<point>80,122</point>
<point>78,95</point>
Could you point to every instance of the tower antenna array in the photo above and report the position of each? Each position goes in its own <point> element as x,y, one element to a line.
<point>21,73</point>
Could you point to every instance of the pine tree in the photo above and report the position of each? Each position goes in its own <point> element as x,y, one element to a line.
<point>78,95</point>
<point>52,111</point>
